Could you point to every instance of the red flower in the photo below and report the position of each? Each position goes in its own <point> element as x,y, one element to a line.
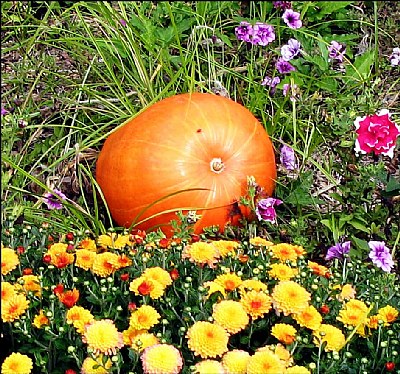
<point>390,366</point>
<point>70,247</point>
<point>27,271</point>
<point>69,236</point>
<point>70,371</point>
<point>164,243</point>
<point>174,274</point>
<point>131,306</point>
<point>195,238</point>
<point>47,259</point>
<point>124,277</point>
<point>324,309</point>
<point>50,238</point>
<point>69,298</point>
<point>20,250</point>
<point>58,289</point>
<point>376,133</point>
<point>145,288</point>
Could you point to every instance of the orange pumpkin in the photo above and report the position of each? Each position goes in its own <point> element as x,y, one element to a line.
<point>187,152</point>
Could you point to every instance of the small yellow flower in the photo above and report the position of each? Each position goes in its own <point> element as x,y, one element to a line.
<point>231,315</point>
<point>256,303</point>
<point>225,247</point>
<point>161,359</point>
<point>309,317</point>
<point>214,287</point>
<point>145,286</point>
<point>284,333</point>
<point>209,367</point>
<point>282,272</point>
<point>284,252</point>
<point>7,291</point>
<point>252,285</point>
<point>113,240</point>
<point>159,275</point>
<point>388,314</point>
<point>84,258</point>
<point>260,242</point>
<point>95,365</point>
<point>297,370</point>
<point>9,260</point>
<point>14,307</point>
<point>139,339</point>
<point>29,283</point>
<point>201,253</point>
<point>289,297</point>
<point>79,317</point>
<point>265,362</point>
<point>105,264</point>
<point>228,281</point>
<point>17,363</point>
<point>331,335</point>
<point>144,318</point>
<point>235,362</point>
<point>87,244</point>
<point>40,320</point>
<point>347,293</point>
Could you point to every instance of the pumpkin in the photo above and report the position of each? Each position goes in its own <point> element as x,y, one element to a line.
<point>186,152</point>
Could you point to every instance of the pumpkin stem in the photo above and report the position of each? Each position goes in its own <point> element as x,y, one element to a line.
<point>216,165</point>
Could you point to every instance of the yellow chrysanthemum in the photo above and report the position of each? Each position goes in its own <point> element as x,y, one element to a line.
<point>139,340</point>
<point>145,286</point>
<point>231,315</point>
<point>283,354</point>
<point>94,365</point>
<point>209,367</point>
<point>84,258</point>
<point>289,297</point>
<point>318,269</point>
<point>17,363</point>
<point>354,313</point>
<point>284,333</point>
<point>228,281</point>
<point>297,370</point>
<point>9,260</point>
<point>260,242</point>
<point>79,317</point>
<point>14,307</point>
<point>331,335</point>
<point>123,261</point>
<point>265,362</point>
<point>144,318</point>
<point>113,241</point>
<point>40,320</point>
<point>159,275</point>
<point>214,287</point>
<point>87,244</point>
<point>373,322</point>
<point>29,283</point>
<point>59,255</point>
<point>256,303</point>
<point>309,317</point>
<point>299,250</point>
<point>284,252</point>
<point>225,247</point>
<point>105,264</point>
<point>347,292</point>
<point>201,253</point>
<point>282,272</point>
<point>207,340</point>
<point>235,361</point>
<point>161,359</point>
<point>103,337</point>
<point>7,291</point>
<point>252,285</point>
<point>388,314</point>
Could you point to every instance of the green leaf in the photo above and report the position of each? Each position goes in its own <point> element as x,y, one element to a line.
<point>328,7</point>
<point>361,69</point>
<point>357,224</point>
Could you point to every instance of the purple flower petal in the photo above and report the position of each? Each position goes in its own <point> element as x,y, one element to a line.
<point>380,255</point>
<point>265,209</point>
<point>284,67</point>
<point>338,251</point>
<point>52,199</point>
<point>292,19</point>
<point>290,50</point>
<point>288,158</point>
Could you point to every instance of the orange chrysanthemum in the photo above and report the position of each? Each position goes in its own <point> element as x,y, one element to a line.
<point>388,314</point>
<point>309,317</point>
<point>79,317</point>
<point>9,260</point>
<point>207,340</point>
<point>235,361</point>
<point>282,272</point>
<point>14,307</point>
<point>59,255</point>
<point>231,315</point>
<point>265,362</point>
<point>225,247</point>
<point>103,337</point>
<point>29,283</point>
<point>256,303</point>
<point>284,333</point>
<point>331,335</point>
<point>201,253</point>
<point>123,261</point>
<point>260,242</point>
<point>228,281</point>
<point>87,244</point>
<point>144,318</point>
<point>144,286</point>
<point>40,320</point>
<point>85,258</point>
<point>17,363</point>
<point>318,269</point>
<point>289,297</point>
<point>284,252</point>
<point>105,264</point>
<point>7,291</point>
<point>69,298</point>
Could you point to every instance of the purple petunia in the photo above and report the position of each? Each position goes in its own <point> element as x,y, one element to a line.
<point>52,199</point>
<point>259,34</point>
<point>284,67</point>
<point>395,57</point>
<point>290,50</point>
<point>338,251</point>
<point>265,209</point>
<point>380,255</point>
<point>292,19</point>
<point>336,51</point>
<point>282,4</point>
<point>271,82</point>
<point>288,158</point>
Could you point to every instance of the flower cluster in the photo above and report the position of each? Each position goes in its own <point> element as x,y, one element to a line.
<point>259,34</point>
<point>161,305</point>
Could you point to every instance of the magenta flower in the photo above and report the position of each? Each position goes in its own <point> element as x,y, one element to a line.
<point>265,209</point>
<point>290,50</point>
<point>271,82</point>
<point>52,199</point>
<point>395,57</point>
<point>376,133</point>
<point>284,67</point>
<point>338,251</point>
<point>282,4</point>
<point>244,31</point>
<point>263,34</point>
<point>288,158</point>
<point>4,111</point>
<point>292,19</point>
<point>336,51</point>
<point>380,255</point>
<point>122,22</point>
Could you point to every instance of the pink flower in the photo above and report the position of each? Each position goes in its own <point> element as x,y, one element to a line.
<point>376,133</point>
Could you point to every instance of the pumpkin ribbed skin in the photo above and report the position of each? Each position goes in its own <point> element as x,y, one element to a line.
<point>169,147</point>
